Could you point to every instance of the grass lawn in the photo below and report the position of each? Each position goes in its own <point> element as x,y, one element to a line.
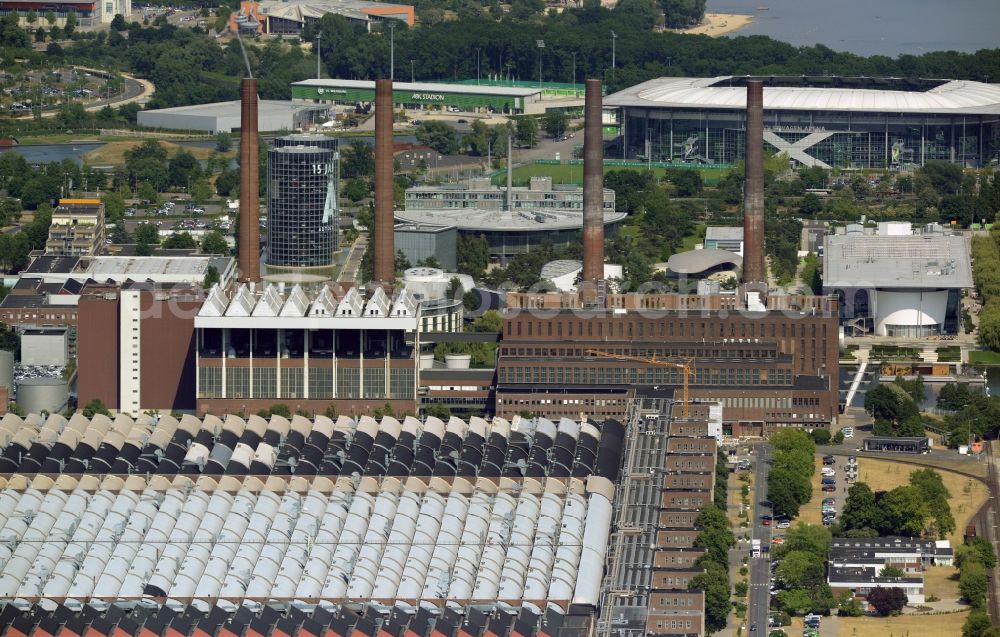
<point>966,495</point>
<point>810,512</point>
<point>939,583</point>
<point>694,238</point>
<point>984,357</point>
<point>573,173</point>
<point>113,153</point>
<point>946,625</point>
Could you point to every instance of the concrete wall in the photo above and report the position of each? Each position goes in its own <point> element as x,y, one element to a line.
<point>48,348</point>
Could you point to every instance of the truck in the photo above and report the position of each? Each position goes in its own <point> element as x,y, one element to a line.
<point>754,548</point>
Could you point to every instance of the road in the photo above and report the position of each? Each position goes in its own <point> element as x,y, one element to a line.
<point>760,568</point>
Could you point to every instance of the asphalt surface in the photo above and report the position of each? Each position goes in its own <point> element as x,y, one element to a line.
<point>760,574</point>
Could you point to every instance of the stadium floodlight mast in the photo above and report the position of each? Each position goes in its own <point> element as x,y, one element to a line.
<point>478,49</point>
<point>541,45</point>
<point>319,37</point>
<point>614,39</point>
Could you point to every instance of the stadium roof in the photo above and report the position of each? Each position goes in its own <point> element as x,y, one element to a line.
<point>928,261</point>
<point>698,261</point>
<point>949,96</point>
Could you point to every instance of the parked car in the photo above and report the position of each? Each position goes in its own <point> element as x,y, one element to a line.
<point>848,432</point>
<point>829,488</point>
<point>784,524</point>
<point>852,460</point>
<point>829,460</point>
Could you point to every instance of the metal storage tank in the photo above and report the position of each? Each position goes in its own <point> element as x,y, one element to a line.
<point>7,370</point>
<point>36,395</point>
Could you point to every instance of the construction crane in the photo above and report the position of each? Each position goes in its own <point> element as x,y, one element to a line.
<point>687,367</point>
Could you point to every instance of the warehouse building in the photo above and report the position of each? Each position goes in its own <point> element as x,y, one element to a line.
<point>896,280</point>
<point>284,17</point>
<point>140,526</point>
<point>831,122</point>
<point>423,95</point>
<point>224,117</point>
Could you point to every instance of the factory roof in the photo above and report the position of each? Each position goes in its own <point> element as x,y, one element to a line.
<point>560,267</point>
<point>207,512</point>
<point>724,233</point>
<point>497,221</point>
<point>232,109</point>
<point>698,261</point>
<point>815,94</point>
<point>856,574</point>
<point>424,87</point>
<point>300,10</point>
<point>139,267</point>
<point>923,261</point>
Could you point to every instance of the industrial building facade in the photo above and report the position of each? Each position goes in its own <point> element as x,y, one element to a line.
<point>302,203</point>
<point>829,122</point>
<point>255,349</point>
<point>768,370</point>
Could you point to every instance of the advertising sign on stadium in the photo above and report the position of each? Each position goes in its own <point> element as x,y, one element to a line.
<point>428,97</point>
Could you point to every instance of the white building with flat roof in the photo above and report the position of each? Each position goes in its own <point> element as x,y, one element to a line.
<point>898,281</point>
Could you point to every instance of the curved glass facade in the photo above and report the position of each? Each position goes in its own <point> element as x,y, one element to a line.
<point>831,139</point>
<point>302,202</point>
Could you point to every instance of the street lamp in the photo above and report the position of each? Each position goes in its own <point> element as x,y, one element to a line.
<point>477,65</point>
<point>574,73</point>
<point>614,39</point>
<point>541,45</point>
<point>392,49</point>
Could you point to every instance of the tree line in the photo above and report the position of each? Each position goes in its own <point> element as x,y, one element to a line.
<point>789,483</point>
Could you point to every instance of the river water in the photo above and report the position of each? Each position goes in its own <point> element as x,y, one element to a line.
<point>869,27</point>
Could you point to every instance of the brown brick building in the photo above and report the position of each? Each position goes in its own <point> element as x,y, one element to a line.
<point>136,347</point>
<point>768,369</point>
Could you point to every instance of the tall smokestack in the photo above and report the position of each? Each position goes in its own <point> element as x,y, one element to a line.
<point>753,193</point>
<point>593,186</point>
<point>249,248</point>
<point>385,253</point>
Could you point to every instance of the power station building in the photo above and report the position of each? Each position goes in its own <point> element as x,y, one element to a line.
<point>303,216</point>
<point>897,281</point>
<point>831,122</point>
<point>512,219</point>
<point>259,346</point>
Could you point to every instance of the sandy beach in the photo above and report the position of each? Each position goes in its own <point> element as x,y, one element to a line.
<point>716,24</point>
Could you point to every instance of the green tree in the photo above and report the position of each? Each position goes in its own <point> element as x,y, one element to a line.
<point>820,436</point>
<point>982,551</point>
<point>680,14</point>
<point>715,584</point>
<point>861,510</point>
<point>118,23</point>
<point>94,407</point>
<point>70,25</point>
<point>179,241</point>
<point>114,207</point>
<point>809,538</point>
<point>214,243</point>
<point>972,583</point>
<point>979,624</point>
<point>223,141</point>
<point>795,602</point>
<point>891,403</point>
<point>280,409</point>
<point>800,569</point>
<point>810,205</point>
<point>146,233</point>
<point>526,130</point>
<point>437,410</point>
<point>201,191</point>
<point>906,512</point>
<point>211,277</point>
<point>142,249</point>
<point>848,605</point>
<point>120,234</point>
<point>50,17</point>
<point>32,17</point>
<point>931,487</point>
<point>357,160</point>
<point>891,571</point>
<point>147,192</point>
<point>555,123</point>
<point>439,135</point>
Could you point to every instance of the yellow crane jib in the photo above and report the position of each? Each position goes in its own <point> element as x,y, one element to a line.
<point>686,367</point>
